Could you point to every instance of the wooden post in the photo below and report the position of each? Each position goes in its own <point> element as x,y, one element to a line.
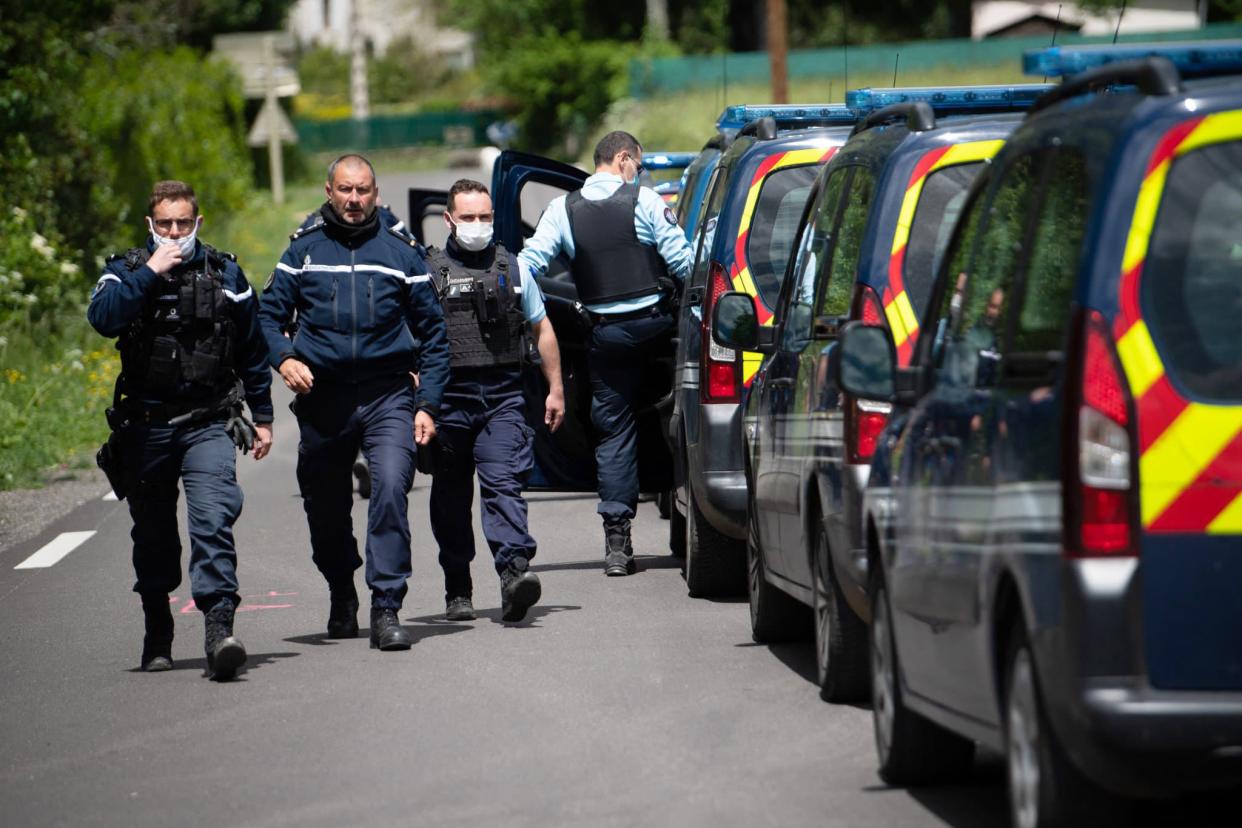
<point>778,51</point>
<point>275,158</point>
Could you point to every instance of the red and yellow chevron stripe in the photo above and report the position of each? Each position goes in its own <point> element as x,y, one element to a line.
<point>903,322</point>
<point>1190,454</point>
<point>739,273</point>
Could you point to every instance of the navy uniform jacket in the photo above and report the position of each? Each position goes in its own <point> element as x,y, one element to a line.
<point>120,297</point>
<point>365,311</point>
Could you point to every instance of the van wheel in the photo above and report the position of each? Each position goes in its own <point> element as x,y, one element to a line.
<point>715,563</point>
<point>1045,789</point>
<point>840,636</point>
<point>774,614</point>
<point>912,750</point>
<point>676,528</point>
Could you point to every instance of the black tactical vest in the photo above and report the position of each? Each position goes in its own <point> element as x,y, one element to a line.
<point>185,336</point>
<point>482,310</point>
<point>610,263</point>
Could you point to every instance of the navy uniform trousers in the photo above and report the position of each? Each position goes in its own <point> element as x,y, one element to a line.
<point>202,456</point>
<point>481,429</point>
<point>620,349</point>
<point>334,421</point>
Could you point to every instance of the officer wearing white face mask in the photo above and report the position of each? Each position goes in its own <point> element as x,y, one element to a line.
<point>488,307</point>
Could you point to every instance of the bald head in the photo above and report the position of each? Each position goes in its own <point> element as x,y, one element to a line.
<point>352,190</point>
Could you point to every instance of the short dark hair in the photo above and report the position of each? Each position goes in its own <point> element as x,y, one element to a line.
<point>613,143</point>
<point>171,191</point>
<point>464,185</point>
<point>353,158</point>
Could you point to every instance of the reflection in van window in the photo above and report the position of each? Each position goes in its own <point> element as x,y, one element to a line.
<point>940,202</point>
<point>1192,279</point>
<point>774,222</point>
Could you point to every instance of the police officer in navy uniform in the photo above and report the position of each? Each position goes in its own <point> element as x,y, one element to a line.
<point>390,220</point>
<point>191,351</point>
<point>623,242</point>
<point>488,305</point>
<point>368,314</point>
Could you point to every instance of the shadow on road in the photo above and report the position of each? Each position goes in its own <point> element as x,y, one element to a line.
<point>438,624</point>
<point>558,496</point>
<point>254,661</point>
<point>643,563</point>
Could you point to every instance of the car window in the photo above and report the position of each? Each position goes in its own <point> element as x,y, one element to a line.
<point>814,242</point>
<point>1192,278</point>
<point>940,202</point>
<point>706,224</point>
<point>978,295</point>
<point>842,266</point>
<point>774,221</point>
<point>1056,243</point>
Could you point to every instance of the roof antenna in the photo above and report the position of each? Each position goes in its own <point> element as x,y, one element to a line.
<point>1120,15</point>
<point>896,60</point>
<point>1055,28</point>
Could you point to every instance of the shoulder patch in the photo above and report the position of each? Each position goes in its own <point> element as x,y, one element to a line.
<point>670,216</point>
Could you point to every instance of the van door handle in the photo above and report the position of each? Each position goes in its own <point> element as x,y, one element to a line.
<point>694,296</point>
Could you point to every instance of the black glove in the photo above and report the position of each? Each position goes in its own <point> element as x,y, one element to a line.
<point>241,431</point>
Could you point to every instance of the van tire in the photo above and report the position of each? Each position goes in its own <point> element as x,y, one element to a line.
<point>840,636</point>
<point>715,564</point>
<point>775,615</point>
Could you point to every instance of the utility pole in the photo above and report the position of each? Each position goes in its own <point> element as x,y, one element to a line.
<point>657,19</point>
<point>778,51</point>
<point>359,97</point>
<point>275,159</point>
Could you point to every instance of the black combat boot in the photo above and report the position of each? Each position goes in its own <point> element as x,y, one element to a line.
<point>386,631</point>
<point>157,643</point>
<point>519,590</point>
<point>618,552</point>
<point>225,654</point>
<point>459,608</point>
<point>343,611</point>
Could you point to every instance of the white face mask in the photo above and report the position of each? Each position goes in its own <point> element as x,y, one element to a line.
<point>473,235</point>
<point>185,244</point>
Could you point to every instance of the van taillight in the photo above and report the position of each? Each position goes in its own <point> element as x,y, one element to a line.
<point>722,367</point>
<point>1103,512</point>
<point>865,419</point>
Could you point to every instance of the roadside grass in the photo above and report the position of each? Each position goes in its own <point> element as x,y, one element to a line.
<point>685,120</point>
<point>54,387</point>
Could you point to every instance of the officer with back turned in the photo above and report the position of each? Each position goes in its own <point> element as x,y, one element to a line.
<point>623,242</point>
<point>191,353</point>
<point>481,427</point>
<point>367,316</point>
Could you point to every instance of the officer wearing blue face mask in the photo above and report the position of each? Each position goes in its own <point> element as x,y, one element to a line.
<point>488,306</point>
<point>191,353</point>
<point>623,242</point>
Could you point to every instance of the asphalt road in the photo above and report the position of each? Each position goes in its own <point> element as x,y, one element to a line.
<point>618,702</point>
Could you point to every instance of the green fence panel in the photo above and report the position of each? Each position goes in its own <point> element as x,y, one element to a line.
<point>656,76</point>
<point>392,131</point>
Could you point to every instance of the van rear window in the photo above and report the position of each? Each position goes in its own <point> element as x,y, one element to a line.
<point>940,202</point>
<point>773,225</point>
<point>1192,278</point>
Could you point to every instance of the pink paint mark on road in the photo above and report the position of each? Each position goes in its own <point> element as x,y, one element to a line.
<point>247,602</point>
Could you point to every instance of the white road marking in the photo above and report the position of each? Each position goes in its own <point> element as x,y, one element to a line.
<point>111,495</point>
<point>54,550</point>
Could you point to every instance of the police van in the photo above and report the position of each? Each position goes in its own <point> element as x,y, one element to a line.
<point>1055,507</point>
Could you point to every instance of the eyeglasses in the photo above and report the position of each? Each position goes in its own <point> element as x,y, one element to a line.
<point>164,225</point>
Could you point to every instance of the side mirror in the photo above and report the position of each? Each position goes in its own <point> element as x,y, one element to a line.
<point>866,362</point>
<point>734,322</point>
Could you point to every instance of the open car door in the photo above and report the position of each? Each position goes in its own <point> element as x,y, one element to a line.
<point>522,186</point>
<point>426,208</point>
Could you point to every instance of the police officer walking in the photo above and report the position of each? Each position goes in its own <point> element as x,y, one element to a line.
<point>191,351</point>
<point>367,315</point>
<point>488,305</point>
<point>623,241</point>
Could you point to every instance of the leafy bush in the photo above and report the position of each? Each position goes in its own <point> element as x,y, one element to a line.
<point>39,280</point>
<point>562,85</point>
<point>167,115</point>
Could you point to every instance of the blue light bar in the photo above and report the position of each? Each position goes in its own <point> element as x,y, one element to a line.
<point>950,100</point>
<point>788,116</point>
<point>1192,58</point>
<point>656,160</point>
